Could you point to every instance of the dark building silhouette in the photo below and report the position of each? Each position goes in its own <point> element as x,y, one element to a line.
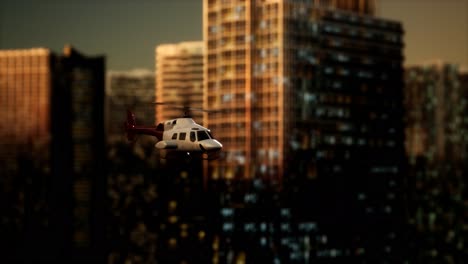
<point>160,211</point>
<point>78,175</point>
<point>132,90</point>
<point>346,151</point>
<point>56,191</point>
<point>187,209</point>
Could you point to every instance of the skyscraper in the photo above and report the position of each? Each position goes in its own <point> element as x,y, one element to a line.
<point>179,79</point>
<point>78,178</point>
<point>53,144</point>
<point>264,59</point>
<point>25,88</point>
<point>133,90</point>
<point>436,104</point>
<point>313,101</point>
<point>25,98</point>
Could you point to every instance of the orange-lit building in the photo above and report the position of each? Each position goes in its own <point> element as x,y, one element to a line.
<point>179,79</point>
<point>259,55</point>
<point>25,87</point>
<point>25,79</point>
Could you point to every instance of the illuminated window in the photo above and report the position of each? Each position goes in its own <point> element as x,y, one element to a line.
<point>250,198</point>
<point>286,212</point>
<point>228,226</point>
<point>328,70</point>
<point>263,241</point>
<point>388,209</point>
<point>307,226</point>
<point>285,227</point>
<point>227,212</point>
<point>249,227</point>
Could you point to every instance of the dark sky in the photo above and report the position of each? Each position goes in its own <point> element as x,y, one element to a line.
<point>127,31</point>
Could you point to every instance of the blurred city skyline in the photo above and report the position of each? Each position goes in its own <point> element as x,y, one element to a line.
<point>335,147</point>
<point>127,33</point>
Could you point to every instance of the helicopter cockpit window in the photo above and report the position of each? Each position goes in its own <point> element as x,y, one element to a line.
<point>192,136</point>
<point>174,136</point>
<point>174,122</point>
<point>202,135</point>
<point>182,136</point>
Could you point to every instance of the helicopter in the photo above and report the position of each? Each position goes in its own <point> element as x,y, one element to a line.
<point>179,135</point>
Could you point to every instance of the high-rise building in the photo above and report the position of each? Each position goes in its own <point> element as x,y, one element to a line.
<point>312,101</point>
<point>78,156</point>
<point>25,87</point>
<point>263,62</point>
<point>179,79</point>
<point>54,132</point>
<point>436,103</point>
<point>24,99</point>
<point>132,90</point>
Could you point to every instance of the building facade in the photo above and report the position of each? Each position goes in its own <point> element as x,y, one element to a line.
<point>78,160</point>
<point>25,88</point>
<point>312,101</point>
<point>436,103</point>
<point>54,155</point>
<point>134,90</point>
<point>179,79</point>
<point>25,79</point>
<point>263,62</point>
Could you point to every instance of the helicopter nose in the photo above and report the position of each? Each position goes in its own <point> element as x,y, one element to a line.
<point>210,145</point>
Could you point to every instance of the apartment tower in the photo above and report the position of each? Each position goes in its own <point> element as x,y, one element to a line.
<point>259,56</point>
<point>436,103</point>
<point>312,100</point>
<point>24,98</point>
<point>179,79</point>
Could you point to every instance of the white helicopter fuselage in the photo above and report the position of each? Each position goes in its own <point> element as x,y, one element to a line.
<point>183,134</point>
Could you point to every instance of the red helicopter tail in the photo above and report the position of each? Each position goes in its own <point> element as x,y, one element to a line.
<point>131,129</point>
<point>129,126</point>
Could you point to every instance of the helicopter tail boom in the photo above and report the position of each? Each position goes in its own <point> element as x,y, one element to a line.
<point>131,129</point>
<point>130,125</point>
